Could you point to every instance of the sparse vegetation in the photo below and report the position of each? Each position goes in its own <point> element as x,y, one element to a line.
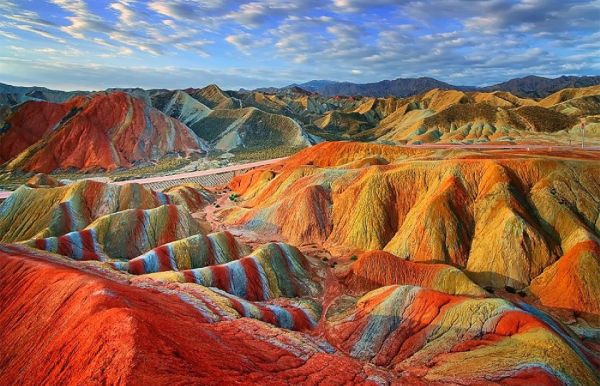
<point>265,153</point>
<point>163,166</point>
<point>13,179</point>
<point>234,197</point>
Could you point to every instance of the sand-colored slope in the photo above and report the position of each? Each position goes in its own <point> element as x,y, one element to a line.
<point>213,97</point>
<point>440,224</point>
<point>586,107</point>
<point>376,109</point>
<point>249,128</point>
<point>274,104</point>
<point>46,212</point>
<point>509,245</point>
<point>503,218</point>
<point>347,122</point>
<point>501,99</point>
<point>572,282</point>
<point>181,106</point>
<point>375,269</point>
<point>454,116</point>
<point>569,93</point>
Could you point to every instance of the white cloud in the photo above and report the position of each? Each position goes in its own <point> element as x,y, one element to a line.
<point>246,42</point>
<point>473,41</point>
<point>82,20</point>
<point>360,5</point>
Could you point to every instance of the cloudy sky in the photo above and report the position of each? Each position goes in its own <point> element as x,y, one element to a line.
<point>85,44</point>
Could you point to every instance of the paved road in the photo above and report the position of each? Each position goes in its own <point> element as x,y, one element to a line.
<point>158,181</point>
<point>501,147</point>
<point>202,173</point>
<point>191,175</point>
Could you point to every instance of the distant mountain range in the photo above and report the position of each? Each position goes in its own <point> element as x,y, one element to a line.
<point>398,87</point>
<point>12,95</point>
<point>119,128</point>
<point>540,87</point>
<point>527,87</point>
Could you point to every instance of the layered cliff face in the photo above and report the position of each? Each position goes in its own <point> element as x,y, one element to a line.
<point>454,339</point>
<point>33,213</point>
<point>100,131</point>
<point>249,128</point>
<point>503,218</point>
<point>66,324</point>
<point>130,126</point>
<point>454,116</point>
<point>447,116</point>
<point>351,263</point>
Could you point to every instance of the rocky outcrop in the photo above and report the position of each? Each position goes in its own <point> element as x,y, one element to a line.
<point>451,339</point>
<point>502,218</point>
<point>122,129</point>
<point>273,270</point>
<point>376,269</point>
<point>115,332</point>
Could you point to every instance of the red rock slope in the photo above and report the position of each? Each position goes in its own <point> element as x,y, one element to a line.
<point>45,136</point>
<point>105,331</point>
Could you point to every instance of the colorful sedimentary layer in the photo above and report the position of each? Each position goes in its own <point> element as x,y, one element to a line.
<point>78,245</point>
<point>122,235</point>
<point>502,217</point>
<point>114,332</point>
<point>192,252</point>
<point>49,212</point>
<point>31,122</point>
<point>193,196</point>
<point>273,270</point>
<point>120,284</point>
<point>132,232</point>
<point>41,180</point>
<point>122,129</point>
<point>454,339</point>
<point>377,269</point>
<point>572,283</point>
